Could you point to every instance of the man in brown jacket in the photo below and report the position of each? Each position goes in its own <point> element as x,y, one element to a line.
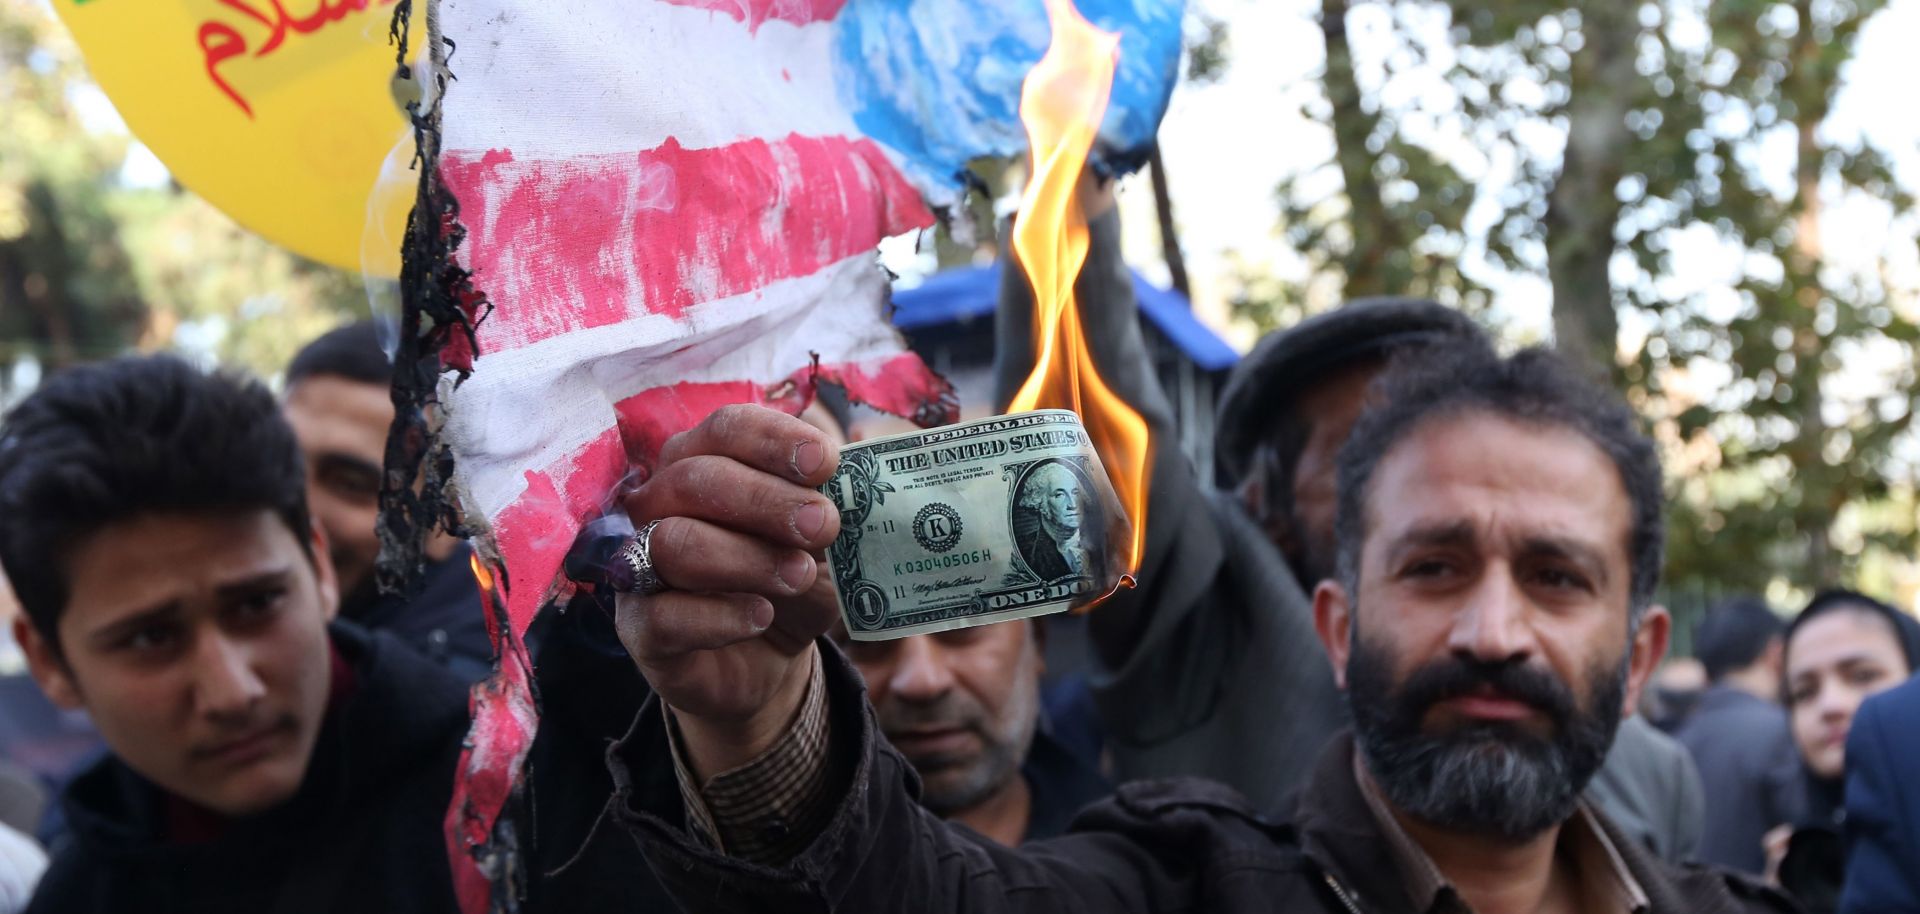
<point>1499,543</point>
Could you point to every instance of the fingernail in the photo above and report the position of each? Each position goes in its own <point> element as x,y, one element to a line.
<point>806,458</point>
<point>795,569</point>
<point>809,519</point>
<point>762,617</point>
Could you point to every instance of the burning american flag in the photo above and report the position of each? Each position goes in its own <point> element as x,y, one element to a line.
<point>674,205</point>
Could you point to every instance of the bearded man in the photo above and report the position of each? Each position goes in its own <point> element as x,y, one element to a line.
<point>1499,540</point>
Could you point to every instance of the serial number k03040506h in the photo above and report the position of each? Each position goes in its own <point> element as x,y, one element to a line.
<point>986,521</point>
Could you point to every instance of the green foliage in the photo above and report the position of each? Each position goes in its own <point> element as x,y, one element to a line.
<point>65,292</point>
<point>1397,226</point>
<point>1785,396</point>
<point>1208,46</point>
<point>91,267</point>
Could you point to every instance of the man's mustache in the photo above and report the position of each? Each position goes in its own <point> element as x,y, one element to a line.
<point>946,713</point>
<point>1455,677</point>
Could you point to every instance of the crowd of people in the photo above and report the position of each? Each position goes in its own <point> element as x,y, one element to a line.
<point>1396,662</point>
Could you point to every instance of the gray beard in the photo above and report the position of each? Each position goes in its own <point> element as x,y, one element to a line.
<point>1491,780</point>
<point>987,778</point>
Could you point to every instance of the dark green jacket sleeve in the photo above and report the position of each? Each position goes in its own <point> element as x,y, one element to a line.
<point>1211,666</point>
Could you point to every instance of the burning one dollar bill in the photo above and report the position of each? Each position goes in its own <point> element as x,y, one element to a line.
<point>985,521</point>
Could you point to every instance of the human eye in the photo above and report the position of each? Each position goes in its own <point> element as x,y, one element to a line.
<point>1562,579</point>
<point>350,480</point>
<point>259,605</point>
<point>149,639</point>
<point>1866,675</point>
<point>1431,567</point>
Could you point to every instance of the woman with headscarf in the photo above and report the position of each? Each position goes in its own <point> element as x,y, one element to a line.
<point>1844,647</point>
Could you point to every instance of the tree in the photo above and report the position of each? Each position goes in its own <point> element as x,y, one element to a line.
<point>1665,113</point>
<point>65,293</point>
<point>91,266</point>
<point>1397,223</point>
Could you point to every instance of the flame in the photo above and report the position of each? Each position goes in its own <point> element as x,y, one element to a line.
<point>1061,104</point>
<point>481,575</point>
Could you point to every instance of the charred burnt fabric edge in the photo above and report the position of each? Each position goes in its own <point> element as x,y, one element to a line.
<point>439,311</point>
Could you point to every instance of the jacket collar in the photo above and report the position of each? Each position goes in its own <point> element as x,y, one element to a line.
<point>1339,832</point>
<point>1581,837</point>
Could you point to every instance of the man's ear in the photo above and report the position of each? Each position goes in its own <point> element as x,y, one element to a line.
<point>323,571</point>
<point>1774,658</point>
<point>1333,622</point>
<point>44,662</point>
<point>1649,647</point>
<point>1275,524</point>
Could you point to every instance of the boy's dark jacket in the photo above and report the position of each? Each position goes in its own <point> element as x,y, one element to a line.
<point>362,834</point>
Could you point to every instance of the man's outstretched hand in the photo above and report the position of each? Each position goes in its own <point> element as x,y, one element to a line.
<point>730,645</point>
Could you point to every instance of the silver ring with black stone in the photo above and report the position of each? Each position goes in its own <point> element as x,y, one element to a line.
<point>633,571</point>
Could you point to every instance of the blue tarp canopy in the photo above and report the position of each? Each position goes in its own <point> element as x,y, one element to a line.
<point>966,293</point>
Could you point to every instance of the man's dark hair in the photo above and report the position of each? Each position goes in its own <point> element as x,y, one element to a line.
<point>352,352</point>
<point>1275,460</point>
<point>1904,630</point>
<point>1533,387</point>
<point>1262,433</point>
<point>107,442</point>
<point>1733,634</point>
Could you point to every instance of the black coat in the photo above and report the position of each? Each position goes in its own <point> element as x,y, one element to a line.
<point>590,692</point>
<point>1155,846</point>
<point>443,621</point>
<point>1883,805</point>
<point>362,834</point>
<point>1217,607</point>
<point>1059,783</point>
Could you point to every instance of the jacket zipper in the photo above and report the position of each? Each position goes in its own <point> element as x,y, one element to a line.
<point>1340,893</point>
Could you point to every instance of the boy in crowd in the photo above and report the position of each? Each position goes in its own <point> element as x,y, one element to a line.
<point>265,756</point>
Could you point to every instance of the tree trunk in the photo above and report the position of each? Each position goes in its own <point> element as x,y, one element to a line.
<point>1375,232</point>
<point>1169,235</point>
<point>45,269</point>
<point>1584,206</point>
<point>1805,86</point>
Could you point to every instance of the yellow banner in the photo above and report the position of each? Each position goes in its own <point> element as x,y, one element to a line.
<point>279,112</point>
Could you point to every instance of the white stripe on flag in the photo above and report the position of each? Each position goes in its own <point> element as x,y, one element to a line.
<point>647,71</point>
<point>534,406</point>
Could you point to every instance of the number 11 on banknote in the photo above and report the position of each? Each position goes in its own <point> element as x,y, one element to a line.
<point>986,521</point>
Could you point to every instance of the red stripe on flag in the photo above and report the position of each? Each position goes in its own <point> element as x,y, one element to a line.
<point>533,534</point>
<point>496,745</point>
<point>536,530</point>
<point>902,385</point>
<point>594,240</point>
<point>649,418</point>
<point>756,12</point>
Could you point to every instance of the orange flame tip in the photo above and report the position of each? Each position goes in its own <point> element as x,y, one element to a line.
<point>481,575</point>
<point>1062,103</point>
